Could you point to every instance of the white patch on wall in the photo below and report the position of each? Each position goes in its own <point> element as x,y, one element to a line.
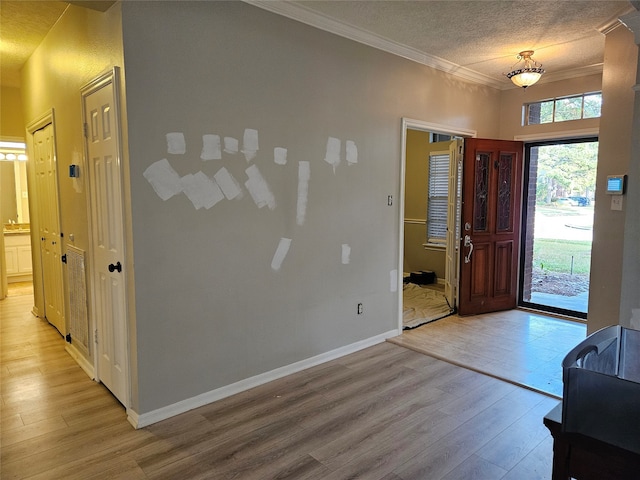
<point>332,157</point>
<point>228,184</point>
<point>280,155</point>
<point>201,190</point>
<point>259,189</point>
<point>281,253</point>
<point>230,145</point>
<point>352,153</point>
<point>250,144</point>
<point>164,179</point>
<point>393,280</point>
<point>346,253</point>
<point>211,148</point>
<point>176,143</point>
<point>304,174</point>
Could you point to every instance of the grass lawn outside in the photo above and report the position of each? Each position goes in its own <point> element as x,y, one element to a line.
<point>557,256</point>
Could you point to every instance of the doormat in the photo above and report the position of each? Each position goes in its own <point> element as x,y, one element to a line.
<point>422,305</point>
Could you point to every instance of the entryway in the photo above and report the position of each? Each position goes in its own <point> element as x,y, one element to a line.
<point>430,230</point>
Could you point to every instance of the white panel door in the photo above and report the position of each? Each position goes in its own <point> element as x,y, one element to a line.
<point>105,187</point>
<point>453,222</point>
<point>49,226</point>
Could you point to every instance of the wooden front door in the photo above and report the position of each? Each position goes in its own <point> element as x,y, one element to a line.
<point>490,236</point>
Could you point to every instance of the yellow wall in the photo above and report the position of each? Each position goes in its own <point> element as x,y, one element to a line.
<point>11,117</point>
<point>416,256</point>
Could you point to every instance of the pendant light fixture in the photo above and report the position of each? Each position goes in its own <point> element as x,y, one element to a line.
<point>526,71</point>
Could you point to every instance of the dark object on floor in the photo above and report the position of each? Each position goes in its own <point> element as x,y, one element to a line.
<point>602,388</point>
<point>424,277</point>
<point>585,458</point>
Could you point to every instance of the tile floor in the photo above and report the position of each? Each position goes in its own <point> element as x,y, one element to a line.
<point>522,347</point>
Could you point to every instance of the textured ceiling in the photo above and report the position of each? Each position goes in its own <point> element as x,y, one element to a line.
<point>23,26</point>
<point>481,36</point>
<point>486,35</point>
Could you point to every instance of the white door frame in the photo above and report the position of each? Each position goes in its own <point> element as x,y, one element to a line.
<point>110,77</point>
<point>412,124</point>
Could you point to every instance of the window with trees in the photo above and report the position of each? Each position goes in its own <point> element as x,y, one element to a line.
<point>566,170</point>
<point>561,109</point>
<point>560,184</point>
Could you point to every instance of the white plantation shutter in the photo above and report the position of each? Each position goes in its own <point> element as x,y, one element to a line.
<point>437,202</point>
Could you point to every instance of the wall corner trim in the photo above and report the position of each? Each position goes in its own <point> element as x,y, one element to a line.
<point>163,413</point>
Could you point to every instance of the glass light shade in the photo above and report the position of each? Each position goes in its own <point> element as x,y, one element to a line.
<point>525,78</point>
<point>529,73</point>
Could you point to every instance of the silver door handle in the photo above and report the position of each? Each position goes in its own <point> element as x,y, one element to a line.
<point>468,243</point>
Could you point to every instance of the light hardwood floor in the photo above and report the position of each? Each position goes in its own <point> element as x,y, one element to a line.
<point>384,413</point>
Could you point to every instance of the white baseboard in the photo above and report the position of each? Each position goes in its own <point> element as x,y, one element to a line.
<point>81,360</point>
<point>145,419</point>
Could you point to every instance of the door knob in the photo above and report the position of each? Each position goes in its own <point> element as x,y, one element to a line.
<point>113,268</point>
<point>469,244</point>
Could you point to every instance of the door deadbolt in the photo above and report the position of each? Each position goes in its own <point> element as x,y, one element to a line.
<point>113,268</point>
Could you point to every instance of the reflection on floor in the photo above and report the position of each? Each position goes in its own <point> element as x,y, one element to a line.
<point>19,288</point>
<point>577,303</point>
<point>518,346</point>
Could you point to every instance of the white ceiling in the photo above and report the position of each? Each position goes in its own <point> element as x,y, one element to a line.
<point>476,39</point>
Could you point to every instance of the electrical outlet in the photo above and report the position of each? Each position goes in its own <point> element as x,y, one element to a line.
<point>360,309</point>
<point>390,200</point>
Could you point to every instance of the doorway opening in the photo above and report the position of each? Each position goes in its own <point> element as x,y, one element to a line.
<point>429,232</point>
<point>557,226</point>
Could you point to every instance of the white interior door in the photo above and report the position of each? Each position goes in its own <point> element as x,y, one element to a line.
<point>453,221</point>
<point>105,192</point>
<point>49,226</point>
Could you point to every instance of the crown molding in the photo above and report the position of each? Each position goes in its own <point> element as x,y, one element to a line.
<point>312,18</point>
<point>615,21</point>
<point>305,15</point>
<point>632,22</point>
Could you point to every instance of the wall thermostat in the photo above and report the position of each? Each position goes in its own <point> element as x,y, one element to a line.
<point>616,184</point>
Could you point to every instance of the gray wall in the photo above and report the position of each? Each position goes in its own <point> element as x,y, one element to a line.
<point>210,310</point>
